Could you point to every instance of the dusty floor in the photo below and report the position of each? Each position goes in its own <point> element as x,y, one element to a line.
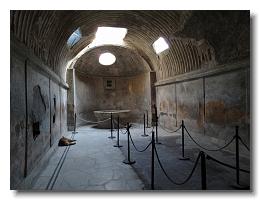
<point>169,151</point>
<point>95,164</point>
<point>92,164</point>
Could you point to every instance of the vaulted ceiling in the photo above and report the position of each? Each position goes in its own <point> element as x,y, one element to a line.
<point>193,47</point>
<point>128,62</point>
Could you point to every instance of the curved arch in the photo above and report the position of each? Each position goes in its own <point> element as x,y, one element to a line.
<point>128,62</point>
<point>49,31</point>
<point>46,34</point>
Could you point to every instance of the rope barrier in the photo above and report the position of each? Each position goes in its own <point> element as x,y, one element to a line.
<point>128,161</point>
<point>136,147</point>
<point>97,122</point>
<point>182,143</point>
<point>120,128</point>
<point>147,133</point>
<point>169,178</point>
<point>225,164</point>
<point>151,131</point>
<point>167,130</point>
<point>207,148</point>
<point>120,125</point>
<point>135,126</point>
<point>122,131</point>
<point>244,144</point>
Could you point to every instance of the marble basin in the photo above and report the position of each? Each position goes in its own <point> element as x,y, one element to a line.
<point>102,115</point>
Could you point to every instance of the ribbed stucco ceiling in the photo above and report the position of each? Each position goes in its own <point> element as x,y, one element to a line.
<point>194,37</point>
<point>46,32</point>
<point>128,63</point>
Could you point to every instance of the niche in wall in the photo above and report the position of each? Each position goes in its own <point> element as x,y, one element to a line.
<point>36,129</point>
<point>109,84</point>
<point>38,111</point>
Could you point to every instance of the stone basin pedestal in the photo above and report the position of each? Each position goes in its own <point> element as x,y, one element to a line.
<point>102,115</point>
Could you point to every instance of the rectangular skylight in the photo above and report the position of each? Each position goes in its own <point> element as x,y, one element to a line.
<point>74,38</point>
<point>160,45</point>
<point>110,35</point>
<point>104,36</point>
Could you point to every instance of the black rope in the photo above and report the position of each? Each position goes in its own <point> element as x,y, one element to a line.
<point>207,148</point>
<point>122,131</point>
<point>151,130</point>
<point>244,143</point>
<point>143,133</point>
<point>146,133</point>
<point>169,178</point>
<point>134,126</point>
<point>136,147</point>
<point>168,131</point>
<point>225,164</point>
<point>120,125</point>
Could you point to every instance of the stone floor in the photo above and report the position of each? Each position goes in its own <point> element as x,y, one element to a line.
<point>218,177</point>
<point>94,164</point>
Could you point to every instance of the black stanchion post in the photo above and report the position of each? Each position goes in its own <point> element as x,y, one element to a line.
<point>238,184</point>
<point>118,127</point>
<point>156,126</point>
<point>111,126</point>
<point>203,171</point>
<point>147,124</point>
<point>75,123</point>
<point>237,157</point>
<point>128,161</point>
<point>182,142</point>
<point>144,135</point>
<point>152,162</point>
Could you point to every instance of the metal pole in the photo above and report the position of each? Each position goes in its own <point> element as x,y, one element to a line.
<point>238,185</point>
<point>128,146</point>
<point>144,124</point>
<point>182,142</point>
<point>203,171</point>
<point>75,121</point>
<point>111,126</point>
<point>182,137</point>
<point>156,126</point>
<point>237,157</point>
<point>144,135</point>
<point>118,127</point>
<point>128,160</point>
<point>152,167</point>
<point>147,126</point>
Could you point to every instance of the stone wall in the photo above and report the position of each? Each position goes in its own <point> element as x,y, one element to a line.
<point>17,121</point>
<point>227,31</point>
<point>38,103</point>
<point>70,77</point>
<point>211,102</point>
<point>130,93</point>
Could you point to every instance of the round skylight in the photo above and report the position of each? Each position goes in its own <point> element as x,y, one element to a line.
<point>107,59</point>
